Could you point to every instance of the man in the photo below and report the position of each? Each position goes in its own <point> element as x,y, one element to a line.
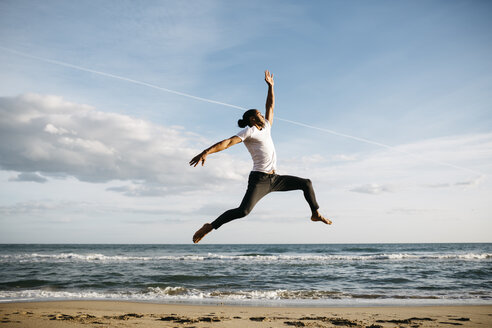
<point>262,179</point>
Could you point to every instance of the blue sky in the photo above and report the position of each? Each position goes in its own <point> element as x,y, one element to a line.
<point>90,158</point>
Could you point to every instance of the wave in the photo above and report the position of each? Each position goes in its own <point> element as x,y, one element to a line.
<point>188,294</point>
<point>96,257</point>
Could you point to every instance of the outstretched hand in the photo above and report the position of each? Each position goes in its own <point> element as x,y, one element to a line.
<point>197,159</point>
<point>269,78</point>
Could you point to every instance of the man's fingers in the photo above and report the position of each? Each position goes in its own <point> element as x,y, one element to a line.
<point>200,160</point>
<point>197,159</point>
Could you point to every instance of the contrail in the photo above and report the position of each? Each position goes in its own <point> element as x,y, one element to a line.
<point>153,86</point>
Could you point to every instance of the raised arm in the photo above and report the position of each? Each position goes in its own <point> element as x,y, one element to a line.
<point>219,146</point>
<point>270,102</point>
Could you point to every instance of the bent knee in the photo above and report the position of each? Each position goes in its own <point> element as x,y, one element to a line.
<point>243,211</point>
<point>308,184</point>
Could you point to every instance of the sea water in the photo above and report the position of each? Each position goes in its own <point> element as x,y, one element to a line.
<point>287,275</point>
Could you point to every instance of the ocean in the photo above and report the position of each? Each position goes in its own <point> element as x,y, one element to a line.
<point>268,275</point>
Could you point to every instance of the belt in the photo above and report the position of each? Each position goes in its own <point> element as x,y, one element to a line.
<point>271,172</point>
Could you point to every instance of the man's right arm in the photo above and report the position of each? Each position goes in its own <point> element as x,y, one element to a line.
<point>219,146</point>
<point>270,102</point>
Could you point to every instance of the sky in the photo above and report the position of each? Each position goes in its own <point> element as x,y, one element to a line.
<point>385,105</point>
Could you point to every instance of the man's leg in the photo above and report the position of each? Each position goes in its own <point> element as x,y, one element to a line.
<point>258,186</point>
<point>288,182</point>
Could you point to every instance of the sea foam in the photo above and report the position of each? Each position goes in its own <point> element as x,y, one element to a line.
<point>96,257</point>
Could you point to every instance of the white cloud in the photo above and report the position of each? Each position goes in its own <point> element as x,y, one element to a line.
<point>413,211</point>
<point>32,207</point>
<point>372,189</point>
<point>454,161</point>
<point>471,183</point>
<point>344,157</point>
<point>49,135</point>
<point>464,183</point>
<point>50,128</point>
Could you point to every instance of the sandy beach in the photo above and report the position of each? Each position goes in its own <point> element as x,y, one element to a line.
<point>130,314</point>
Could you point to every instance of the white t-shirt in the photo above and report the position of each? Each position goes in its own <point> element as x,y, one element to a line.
<point>260,146</point>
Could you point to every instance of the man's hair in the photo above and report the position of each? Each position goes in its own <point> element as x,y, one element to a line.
<point>242,123</point>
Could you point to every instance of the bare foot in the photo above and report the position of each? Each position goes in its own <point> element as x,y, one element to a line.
<point>318,217</point>
<point>207,227</point>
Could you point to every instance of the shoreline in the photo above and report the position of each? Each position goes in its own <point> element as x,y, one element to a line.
<point>363,303</point>
<point>103,313</point>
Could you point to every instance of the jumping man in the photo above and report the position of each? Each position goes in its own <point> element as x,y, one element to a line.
<point>262,179</point>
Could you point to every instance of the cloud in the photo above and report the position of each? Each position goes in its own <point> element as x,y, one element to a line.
<point>418,165</point>
<point>471,183</point>
<point>464,183</point>
<point>33,207</point>
<point>344,157</point>
<point>49,135</point>
<point>32,177</point>
<point>177,209</point>
<point>413,211</point>
<point>373,189</point>
<point>135,189</point>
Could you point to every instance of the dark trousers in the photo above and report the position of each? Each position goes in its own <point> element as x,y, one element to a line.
<point>261,184</point>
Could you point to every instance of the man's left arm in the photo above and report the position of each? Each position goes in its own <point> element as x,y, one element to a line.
<point>270,102</point>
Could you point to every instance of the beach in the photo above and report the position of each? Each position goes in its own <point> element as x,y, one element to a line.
<point>132,314</point>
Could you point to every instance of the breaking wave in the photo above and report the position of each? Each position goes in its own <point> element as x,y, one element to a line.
<point>182,294</point>
<point>95,257</point>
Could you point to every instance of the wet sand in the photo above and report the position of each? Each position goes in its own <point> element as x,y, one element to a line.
<point>129,314</point>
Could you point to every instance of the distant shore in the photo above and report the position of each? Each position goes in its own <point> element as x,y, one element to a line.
<point>131,314</point>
